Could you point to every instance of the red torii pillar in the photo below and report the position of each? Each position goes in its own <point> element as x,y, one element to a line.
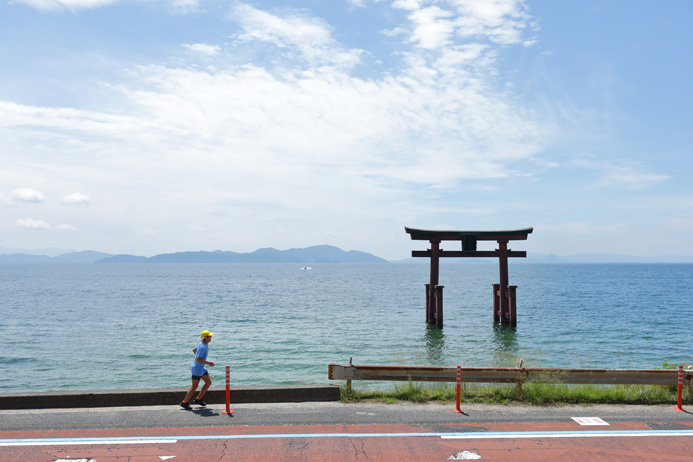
<point>504,298</point>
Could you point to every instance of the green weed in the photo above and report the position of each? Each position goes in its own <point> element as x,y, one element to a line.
<point>539,394</point>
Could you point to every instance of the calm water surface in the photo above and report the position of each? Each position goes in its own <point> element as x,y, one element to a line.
<point>134,326</point>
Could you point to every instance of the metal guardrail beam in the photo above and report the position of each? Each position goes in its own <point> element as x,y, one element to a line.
<point>508,375</point>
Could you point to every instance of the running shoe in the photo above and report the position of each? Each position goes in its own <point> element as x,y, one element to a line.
<point>185,405</point>
<point>199,402</point>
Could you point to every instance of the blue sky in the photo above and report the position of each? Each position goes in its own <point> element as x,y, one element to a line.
<point>154,126</point>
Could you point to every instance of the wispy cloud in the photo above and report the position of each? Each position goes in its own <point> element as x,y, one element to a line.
<point>584,228</point>
<point>50,5</point>
<point>27,195</point>
<point>178,6</point>
<point>76,199</point>
<point>186,6</point>
<point>502,22</point>
<point>305,35</point>
<point>68,228</point>
<point>30,223</point>
<point>203,48</point>
<point>18,115</point>
<point>625,175</point>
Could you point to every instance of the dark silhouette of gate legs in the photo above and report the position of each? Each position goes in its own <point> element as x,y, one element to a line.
<point>505,313</point>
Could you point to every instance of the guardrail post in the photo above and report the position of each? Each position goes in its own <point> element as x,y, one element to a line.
<point>679,398</point>
<point>348,384</point>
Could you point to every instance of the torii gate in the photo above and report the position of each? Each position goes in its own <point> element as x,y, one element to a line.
<point>504,305</point>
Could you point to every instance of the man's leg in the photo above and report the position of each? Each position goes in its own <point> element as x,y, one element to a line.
<point>191,391</point>
<point>205,387</point>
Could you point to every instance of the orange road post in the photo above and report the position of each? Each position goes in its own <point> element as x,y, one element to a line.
<point>459,379</point>
<point>228,392</point>
<point>679,400</point>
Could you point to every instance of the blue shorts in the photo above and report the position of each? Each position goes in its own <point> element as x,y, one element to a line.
<point>198,377</point>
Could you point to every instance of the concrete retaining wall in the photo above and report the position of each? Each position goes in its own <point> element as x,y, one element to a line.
<point>167,396</point>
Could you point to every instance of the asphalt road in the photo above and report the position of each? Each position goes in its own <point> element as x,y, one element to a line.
<point>327,413</point>
<point>332,431</point>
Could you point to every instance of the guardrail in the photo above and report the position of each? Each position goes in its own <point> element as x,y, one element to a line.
<point>508,375</point>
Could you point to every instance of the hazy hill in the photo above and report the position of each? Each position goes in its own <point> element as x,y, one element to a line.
<point>122,258</point>
<point>87,256</point>
<point>24,258</point>
<point>315,254</point>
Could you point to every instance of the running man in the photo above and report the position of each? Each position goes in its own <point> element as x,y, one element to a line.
<point>199,371</point>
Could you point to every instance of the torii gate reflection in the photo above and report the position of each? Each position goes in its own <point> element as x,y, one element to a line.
<point>504,303</point>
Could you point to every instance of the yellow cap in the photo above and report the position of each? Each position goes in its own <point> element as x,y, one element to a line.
<point>206,333</point>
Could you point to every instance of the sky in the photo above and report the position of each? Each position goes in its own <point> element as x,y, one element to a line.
<point>157,126</point>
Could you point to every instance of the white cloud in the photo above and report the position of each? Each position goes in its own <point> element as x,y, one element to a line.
<point>582,228</point>
<point>29,223</point>
<point>407,4</point>
<point>632,179</point>
<point>186,6</point>
<point>431,123</point>
<point>627,175</point>
<point>48,5</point>
<point>309,36</point>
<point>27,195</point>
<point>682,204</point>
<point>178,6</point>
<point>203,48</point>
<point>502,21</point>
<point>65,227</point>
<point>434,26</point>
<point>17,115</point>
<point>300,141</point>
<point>76,198</point>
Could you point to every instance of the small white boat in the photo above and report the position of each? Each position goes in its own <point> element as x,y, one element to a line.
<point>306,268</point>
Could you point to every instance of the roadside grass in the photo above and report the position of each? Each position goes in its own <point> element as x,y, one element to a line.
<point>539,394</point>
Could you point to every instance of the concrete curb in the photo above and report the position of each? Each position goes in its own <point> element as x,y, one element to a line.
<point>167,396</point>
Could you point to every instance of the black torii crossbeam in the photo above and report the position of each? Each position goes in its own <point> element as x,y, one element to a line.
<point>504,305</point>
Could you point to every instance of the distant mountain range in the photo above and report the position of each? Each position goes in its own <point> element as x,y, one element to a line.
<point>315,254</point>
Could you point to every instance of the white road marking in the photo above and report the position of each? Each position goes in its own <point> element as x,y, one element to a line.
<point>73,460</point>
<point>578,434</point>
<point>68,442</point>
<point>464,455</point>
<point>589,421</point>
<point>457,436</point>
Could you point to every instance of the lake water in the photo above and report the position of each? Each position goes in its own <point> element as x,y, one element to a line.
<point>97,326</point>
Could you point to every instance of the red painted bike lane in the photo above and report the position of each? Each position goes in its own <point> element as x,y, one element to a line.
<point>495,442</point>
